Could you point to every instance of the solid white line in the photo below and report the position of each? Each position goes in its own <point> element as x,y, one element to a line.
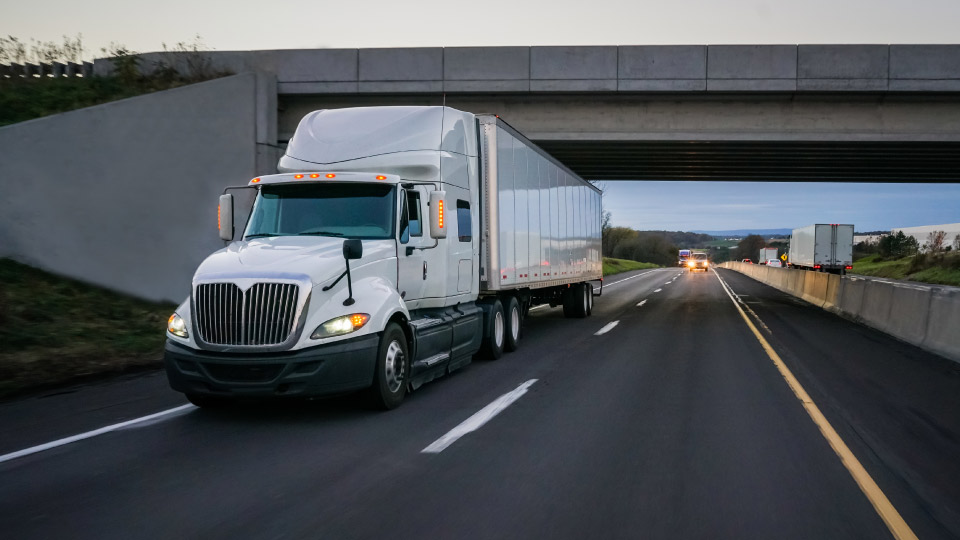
<point>89,434</point>
<point>658,290</point>
<point>480,418</point>
<point>607,328</point>
<point>641,303</point>
<point>629,278</point>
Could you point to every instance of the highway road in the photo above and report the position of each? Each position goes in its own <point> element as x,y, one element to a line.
<point>677,421</point>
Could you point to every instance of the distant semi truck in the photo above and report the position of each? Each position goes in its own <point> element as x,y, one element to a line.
<point>766,254</point>
<point>682,257</point>
<point>823,248</point>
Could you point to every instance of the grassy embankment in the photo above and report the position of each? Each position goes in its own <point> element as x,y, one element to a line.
<point>55,330</point>
<point>943,270</point>
<point>613,266</point>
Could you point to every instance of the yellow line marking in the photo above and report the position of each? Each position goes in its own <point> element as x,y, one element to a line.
<point>898,527</point>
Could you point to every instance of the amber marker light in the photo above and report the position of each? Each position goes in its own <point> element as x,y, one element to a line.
<point>331,175</point>
<point>314,175</point>
<point>440,213</point>
<point>381,177</point>
<point>297,176</point>
<point>255,181</point>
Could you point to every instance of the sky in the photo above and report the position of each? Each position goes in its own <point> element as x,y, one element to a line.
<point>291,24</point>
<point>715,206</point>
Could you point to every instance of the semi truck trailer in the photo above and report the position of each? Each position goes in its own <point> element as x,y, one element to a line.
<point>682,257</point>
<point>393,245</point>
<point>766,254</point>
<point>822,247</point>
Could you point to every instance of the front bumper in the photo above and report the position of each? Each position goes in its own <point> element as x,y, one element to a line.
<point>322,370</point>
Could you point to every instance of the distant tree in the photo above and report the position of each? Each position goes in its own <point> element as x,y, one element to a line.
<point>895,246</point>
<point>935,241</point>
<point>956,243</point>
<point>749,247</point>
<point>613,237</point>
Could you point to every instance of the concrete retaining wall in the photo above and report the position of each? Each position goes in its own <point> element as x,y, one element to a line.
<point>924,315</point>
<point>124,195</point>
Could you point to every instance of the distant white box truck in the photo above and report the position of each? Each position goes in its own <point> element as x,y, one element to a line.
<point>822,247</point>
<point>395,244</point>
<point>766,254</point>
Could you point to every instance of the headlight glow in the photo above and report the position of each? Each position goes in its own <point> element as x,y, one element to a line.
<point>691,263</point>
<point>176,326</point>
<point>341,325</point>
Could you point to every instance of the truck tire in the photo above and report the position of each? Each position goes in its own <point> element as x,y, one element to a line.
<point>494,332</point>
<point>575,301</point>
<point>589,287</point>
<point>514,322</point>
<point>391,370</point>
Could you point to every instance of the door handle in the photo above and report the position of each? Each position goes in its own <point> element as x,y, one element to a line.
<point>424,270</point>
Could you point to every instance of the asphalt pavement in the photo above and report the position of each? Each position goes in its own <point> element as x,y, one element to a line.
<point>672,423</point>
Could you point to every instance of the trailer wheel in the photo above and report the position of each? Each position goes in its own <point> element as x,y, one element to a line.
<point>589,287</point>
<point>494,332</point>
<point>514,320</point>
<point>390,373</point>
<point>575,301</point>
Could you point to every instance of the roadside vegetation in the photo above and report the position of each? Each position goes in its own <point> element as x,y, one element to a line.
<point>898,256</point>
<point>613,266</point>
<point>23,99</point>
<point>55,330</point>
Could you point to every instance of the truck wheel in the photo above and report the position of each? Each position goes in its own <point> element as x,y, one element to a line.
<point>589,287</point>
<point>390,374</point>
<point>575,301</point>
<point>514,320</point>
<point>495,332</point>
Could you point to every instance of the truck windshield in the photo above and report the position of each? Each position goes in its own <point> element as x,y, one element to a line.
<point>363,211</point>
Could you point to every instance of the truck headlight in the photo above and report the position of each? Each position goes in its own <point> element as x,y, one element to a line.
<point>691,264</point>
<point>176,326</point>
<point>341,325</point>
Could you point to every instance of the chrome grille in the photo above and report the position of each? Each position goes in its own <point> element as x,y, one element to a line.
<point>262,315</point>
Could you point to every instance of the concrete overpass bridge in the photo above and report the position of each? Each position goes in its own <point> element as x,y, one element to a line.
<point>871,113</point>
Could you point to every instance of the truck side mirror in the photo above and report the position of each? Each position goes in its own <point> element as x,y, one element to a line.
<point>352,249</point>
<point>225,217</point>
<point>438,222</point>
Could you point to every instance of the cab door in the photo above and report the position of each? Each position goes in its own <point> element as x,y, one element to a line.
<point>412,268</point>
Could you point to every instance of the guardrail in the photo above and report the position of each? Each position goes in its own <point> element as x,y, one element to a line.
<point>927,316</point>
<point>43,70</point>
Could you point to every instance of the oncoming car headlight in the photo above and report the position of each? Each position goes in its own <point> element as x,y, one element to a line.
<point>341,325</point>
<point>176,326</point>
<point>691,263</point>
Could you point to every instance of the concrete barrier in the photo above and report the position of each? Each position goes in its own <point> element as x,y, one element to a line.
<point>877,304</point>
<point>909,313</point>
<point>925,316</point>
<point>943,323</point>
<point>833,291</point>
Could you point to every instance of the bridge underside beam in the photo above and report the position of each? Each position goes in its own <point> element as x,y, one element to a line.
<point>781,161</point>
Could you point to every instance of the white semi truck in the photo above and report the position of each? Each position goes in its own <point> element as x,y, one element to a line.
<point>766,254</point>
<point>822,247</point>
<point>394,244</point>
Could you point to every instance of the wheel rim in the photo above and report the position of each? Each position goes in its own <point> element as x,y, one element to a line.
<point>586,303</point>
<point>589,298</point>
<point>394,366</point>
<point>498,328</point>
<point>515,323</point>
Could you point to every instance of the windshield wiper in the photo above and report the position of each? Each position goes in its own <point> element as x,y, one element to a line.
<point>320,233</point>
<point>259,235</point>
